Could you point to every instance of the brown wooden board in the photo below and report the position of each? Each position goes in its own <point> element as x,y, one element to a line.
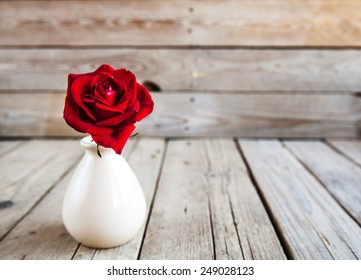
<point>181,23</point>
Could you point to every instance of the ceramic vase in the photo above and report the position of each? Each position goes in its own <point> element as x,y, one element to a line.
<point>104,204</point>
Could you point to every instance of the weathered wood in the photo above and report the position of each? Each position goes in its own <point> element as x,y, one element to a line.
<point>145,159</point>
<point>189,69</point>
<point>351,149</point>
<point>198,210</point>
<point>201,114</point>
<point>8,146</point>
<point>340,176</point>
<point>41,234</point>
<point>313,225</point>
<point>241,227</point>
<point>28,172</point>
<point>220,23</point>
<point>180,223</point>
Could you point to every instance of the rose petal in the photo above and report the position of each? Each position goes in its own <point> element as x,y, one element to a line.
<point>104,68</point>
<point>125,96</point>
<point>108,108</point>
<point>72,117</point>
<point>105,80</point>
<point>116,120</point>
<point>116,140</point>
<point>78,89</point>
<point>124,75</point>
<point>103,112</point>
<point>146,102</point>
<point>99,79</point>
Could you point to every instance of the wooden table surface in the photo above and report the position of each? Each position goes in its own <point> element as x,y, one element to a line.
<point>207,199</point>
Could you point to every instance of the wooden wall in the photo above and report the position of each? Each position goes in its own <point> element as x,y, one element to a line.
<point>276,68</point>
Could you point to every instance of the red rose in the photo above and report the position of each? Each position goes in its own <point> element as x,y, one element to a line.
<point>106,104</point>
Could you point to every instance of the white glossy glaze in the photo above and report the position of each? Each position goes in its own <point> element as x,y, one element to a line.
<point>104,205</point>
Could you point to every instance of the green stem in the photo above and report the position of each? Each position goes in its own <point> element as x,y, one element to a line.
<point>98,152</point>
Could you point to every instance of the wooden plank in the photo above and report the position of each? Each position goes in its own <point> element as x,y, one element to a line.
<point>42,235</point>
<point>146,160</point>
<point>201,114</point>
<point>180,22</point>
<point>198,211</point>
<point>189,69</point>
<point>8,146</point>
<point>340,176</point>
<point>28,172</point>
<point>312,223</point>
<point>241,227</point>
<point>180,226</point>
<point>351,149</point>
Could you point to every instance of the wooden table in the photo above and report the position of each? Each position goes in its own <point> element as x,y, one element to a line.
<point>207,199</point>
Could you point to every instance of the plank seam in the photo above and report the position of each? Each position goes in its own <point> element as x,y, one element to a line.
<point>154,195</point>
<point>211,224</point>
<point>322,240</point>
<point>284,244</point>
<point>310,171</point>
<point>42,197</point>
<point>334,148</point>
<point>235,223</point>
<point>76,250</point>
<point>180,47</point>
<point>133,148</point>
<point>23,142</point>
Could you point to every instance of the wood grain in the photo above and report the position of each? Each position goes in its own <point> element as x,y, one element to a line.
<point>201,114</point>
<point>199,212</point>
<point>340,176</point>
<point>180,225</point>
<point>29,171</point>
<point>312,223</point>
<point>351,149</point>
<point>235,206</point>
<point>189,69</point>
<point>41,234</point>
<point>181,23</point>
<point>8,146</point>
<point>145,159</point>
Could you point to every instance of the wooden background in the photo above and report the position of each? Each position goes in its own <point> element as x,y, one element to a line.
<point>277,68</point>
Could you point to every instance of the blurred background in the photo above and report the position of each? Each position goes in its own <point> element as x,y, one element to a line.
<point>277,68</point>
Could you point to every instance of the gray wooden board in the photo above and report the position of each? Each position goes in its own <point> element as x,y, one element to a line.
<point>190,114</point>
<point>28,172</point>
<point>340,176</point>
<point>145,158</point>
<point>199,212</point>
<point>312,223</point>
<point>41,234</point>
<point>350,148</point>
<point>8,145</point>
<point>189,69</point>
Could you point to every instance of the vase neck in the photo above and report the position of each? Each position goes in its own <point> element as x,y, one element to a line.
<point>92,149</point>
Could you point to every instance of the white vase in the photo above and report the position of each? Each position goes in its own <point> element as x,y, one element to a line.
<point>104,204</point>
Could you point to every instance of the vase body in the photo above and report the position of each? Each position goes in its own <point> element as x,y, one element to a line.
<point>104,204</point>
